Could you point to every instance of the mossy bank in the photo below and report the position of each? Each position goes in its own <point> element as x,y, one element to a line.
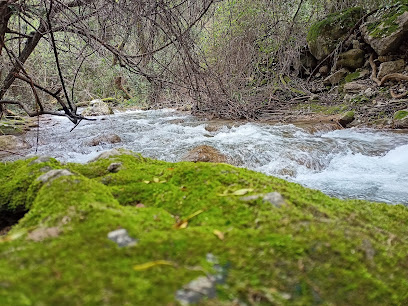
<point>309,249</point>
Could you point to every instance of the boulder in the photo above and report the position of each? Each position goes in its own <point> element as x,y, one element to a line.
<point>387,29</point>
<point>53,174</point>
<point>97,108</point>
<point>352,59</point>
<point>323,36</point>
<point>401,119</point>
<point>390,67</point>
<point>205,153</point>
<point>110,138</point>
<point>336,77</point>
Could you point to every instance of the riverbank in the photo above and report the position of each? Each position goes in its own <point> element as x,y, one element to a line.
<point>191,231</point>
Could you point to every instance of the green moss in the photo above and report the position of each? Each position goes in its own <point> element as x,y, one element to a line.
<point>352,76</point>
<point>387,20</point>
<point>316,249</point>
<point>344,20</point>
<point>399,115</point>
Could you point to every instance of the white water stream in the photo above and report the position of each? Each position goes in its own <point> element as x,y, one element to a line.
<point>349,163</point>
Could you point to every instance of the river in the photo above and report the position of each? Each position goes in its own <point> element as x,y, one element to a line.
<point>349,163</point>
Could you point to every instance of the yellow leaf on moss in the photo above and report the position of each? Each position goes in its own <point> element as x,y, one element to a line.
<point>219,234</point>
<point>152,264</point>
<point>156,179</point>
<point>242,191</point>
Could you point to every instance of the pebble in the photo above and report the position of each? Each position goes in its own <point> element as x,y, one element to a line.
<point>122,238</point>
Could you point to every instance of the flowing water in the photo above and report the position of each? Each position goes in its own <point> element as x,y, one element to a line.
<point>349,163</point>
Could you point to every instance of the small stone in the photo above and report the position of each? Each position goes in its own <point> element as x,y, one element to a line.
<point>354,87</point>
<point>122,238</point>
<point>43,233</point>
<point>369,92</point>
<point>53,174</point>
<point>111,138</point>
<point>324,70</point>
<point>198,289</point>
<point>114,167</point>
<point>275,198</point>
<point>39,160</point>
<point>346,118</point>
<point>111,153</point>
<point>336,77</point>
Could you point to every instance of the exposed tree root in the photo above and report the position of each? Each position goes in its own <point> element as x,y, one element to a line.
<point>391,76</point>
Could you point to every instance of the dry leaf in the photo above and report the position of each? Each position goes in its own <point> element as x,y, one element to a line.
<point>146,182</point>
<point>219,234</point>
<point>152,264</point>
<point>156,179</point>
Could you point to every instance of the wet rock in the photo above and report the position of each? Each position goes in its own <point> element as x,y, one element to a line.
<point>196,290</point>
<point>97,108</point>
<point>122,238</point>
<point>205,153</point>
<point>274,198</point>
<point>346,118</point>
<point>53,174</point>
<point>391,67</point>
<point>12,143</point>
<point>336,77</point>
<point>386,30</point>
<point>401,119</point>
<point>114,167</point>
<point>354,87</point>
<point>352,59</point>
<point>111,138</point>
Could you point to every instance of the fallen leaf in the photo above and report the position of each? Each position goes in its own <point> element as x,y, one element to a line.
<point>156,179</point>
<point>163,181</point>
<point>146,182</point>
<point>219,234</point>
<point>184,222</point>
<point>240,192</point>
<point>152,264</point>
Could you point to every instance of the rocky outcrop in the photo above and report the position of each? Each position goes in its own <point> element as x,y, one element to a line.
<point>346,118</point>
<point>387,29</point>
<point>205,153</point>
<point>97,108</point>
<point>324,35</point>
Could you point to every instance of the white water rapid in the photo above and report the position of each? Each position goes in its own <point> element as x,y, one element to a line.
<point>349,163</point>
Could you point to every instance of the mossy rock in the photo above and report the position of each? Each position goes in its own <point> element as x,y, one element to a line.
<point>323,36</point>
<point>387,29</point>
<point>313,250</point>
<point>401,119</point>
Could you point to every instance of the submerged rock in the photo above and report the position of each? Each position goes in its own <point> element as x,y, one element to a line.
<point>205,153</point>
<point>110,138</point>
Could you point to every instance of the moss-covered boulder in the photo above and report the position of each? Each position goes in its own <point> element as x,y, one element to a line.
<point>387,29</point>
<point>401,119</point>
<point>323,36</point>
<point>346,118</point>
<point>155,233</point>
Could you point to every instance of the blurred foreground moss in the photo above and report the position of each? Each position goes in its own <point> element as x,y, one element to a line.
<point>313,250</point>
